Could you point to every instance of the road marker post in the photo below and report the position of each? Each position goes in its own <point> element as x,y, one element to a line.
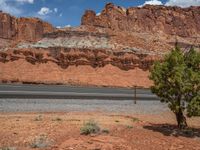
<point>135,96</point>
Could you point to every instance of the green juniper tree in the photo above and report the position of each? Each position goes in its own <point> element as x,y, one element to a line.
<point>177,82</point>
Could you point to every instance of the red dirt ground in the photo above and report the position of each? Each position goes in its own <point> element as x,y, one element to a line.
<point>62,131</point>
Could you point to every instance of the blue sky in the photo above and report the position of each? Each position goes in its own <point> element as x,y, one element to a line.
<point>69,12</point>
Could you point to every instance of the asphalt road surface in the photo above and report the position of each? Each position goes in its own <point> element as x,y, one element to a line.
<point>54,98</point>
<point>72,92</point>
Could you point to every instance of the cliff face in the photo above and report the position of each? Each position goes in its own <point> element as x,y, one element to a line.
<point>32,29</point>
<point>115,48</point>
<point>22,29</point>
<point>65,57</point>
<point>154,19</point>
<point>8,26</point>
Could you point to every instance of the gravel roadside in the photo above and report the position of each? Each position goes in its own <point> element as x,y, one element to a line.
<point>62,105</point>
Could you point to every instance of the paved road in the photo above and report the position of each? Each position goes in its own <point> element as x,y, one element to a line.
<point>70,92</point>
<point>53,98</point>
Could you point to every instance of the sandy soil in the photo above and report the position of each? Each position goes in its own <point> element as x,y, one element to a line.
<point>61,131</point>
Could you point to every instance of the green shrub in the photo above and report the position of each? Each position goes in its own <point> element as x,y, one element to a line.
<point>40,141</point>
<point>90,127</point>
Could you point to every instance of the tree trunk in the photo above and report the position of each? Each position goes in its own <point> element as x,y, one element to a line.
<point>181,120</point>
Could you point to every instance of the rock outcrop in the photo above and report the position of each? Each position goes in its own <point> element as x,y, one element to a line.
<point>178,21</point>
<point>22,29</point>
<point>8,26</point>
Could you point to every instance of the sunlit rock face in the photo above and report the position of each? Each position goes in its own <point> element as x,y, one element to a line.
<point>22,29</point>
<point>116,47</point>
<point>154,19</point>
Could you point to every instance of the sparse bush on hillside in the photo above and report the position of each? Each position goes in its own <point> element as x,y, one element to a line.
<point>40,141</point>
<point>90,127</point>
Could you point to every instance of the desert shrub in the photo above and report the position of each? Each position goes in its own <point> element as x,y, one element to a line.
<point>105,131</point>
<point>90,127</point>
<point>40,141</point>
<point>129,126</point>
<point>135,119</point>
<point>57,119</point>
<point>38,118</point>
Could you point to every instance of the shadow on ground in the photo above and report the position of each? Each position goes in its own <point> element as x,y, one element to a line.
<point>172,130</point>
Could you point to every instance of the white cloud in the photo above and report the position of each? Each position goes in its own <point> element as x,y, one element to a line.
<point>98,14</point>
<point>55,10</point>
<point>180,3</point>
<point>13,8</point>
<point>8,8</point>
<point>68,26</point>
<point>60,15</point>
<point>152,2</point>
<point>183,3</point>
<point>26,1</point>
<point>60,27</point>
<point>44,11</point>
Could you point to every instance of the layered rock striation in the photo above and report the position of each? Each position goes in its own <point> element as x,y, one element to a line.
<point>115,48</point>
<point>65,57</point>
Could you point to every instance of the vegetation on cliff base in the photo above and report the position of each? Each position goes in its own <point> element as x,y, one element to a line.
<point>177,82</point>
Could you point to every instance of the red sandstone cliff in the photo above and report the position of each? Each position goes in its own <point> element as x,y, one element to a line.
<point>152,28</point>
<point>115,48</point>
<point>22,29</point>
<point>154,19</point>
